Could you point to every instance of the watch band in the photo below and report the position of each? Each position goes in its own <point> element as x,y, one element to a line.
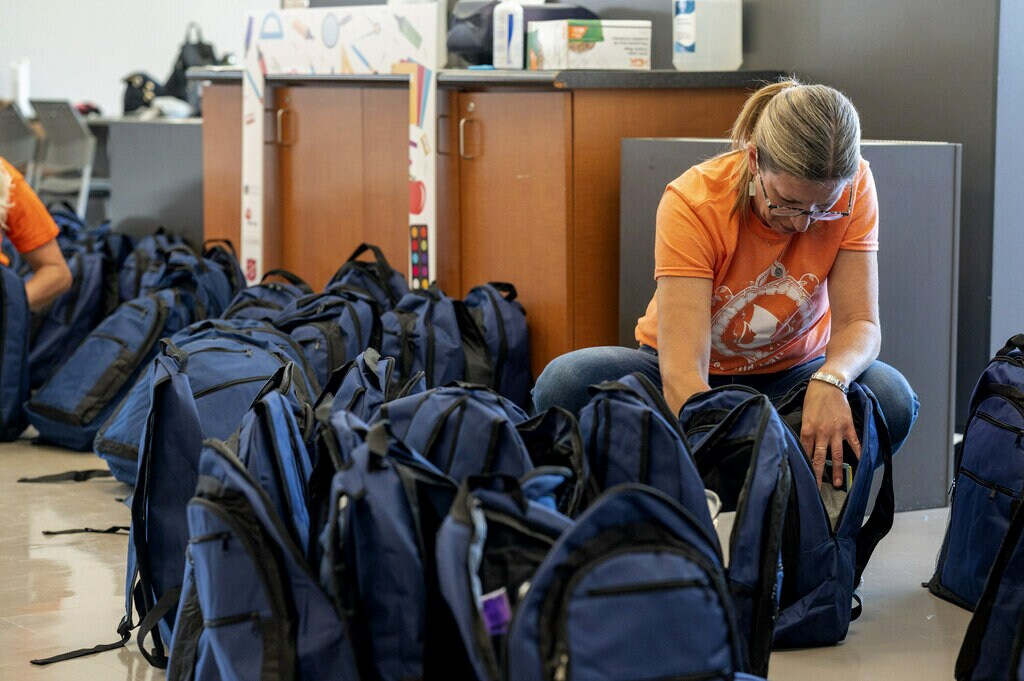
<point>831,380</point>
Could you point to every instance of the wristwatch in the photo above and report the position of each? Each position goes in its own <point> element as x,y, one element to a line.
<point>831,380</point>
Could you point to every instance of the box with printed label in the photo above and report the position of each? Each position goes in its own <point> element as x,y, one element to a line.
<point>588,44</point>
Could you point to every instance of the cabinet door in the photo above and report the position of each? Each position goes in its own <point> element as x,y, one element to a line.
<point>515,206</point>
<point>342,176</point>
<point>222,162</point>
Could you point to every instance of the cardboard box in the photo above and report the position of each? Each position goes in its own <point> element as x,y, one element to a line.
<point>588,44</point>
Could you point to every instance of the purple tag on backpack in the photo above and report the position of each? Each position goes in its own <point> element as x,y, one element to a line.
<point>497,611</point>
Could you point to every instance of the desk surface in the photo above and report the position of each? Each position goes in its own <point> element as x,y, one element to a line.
<point>487,78</point>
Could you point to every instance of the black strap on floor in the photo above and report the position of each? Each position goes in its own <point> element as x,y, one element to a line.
<point>122,630</point>
<point>71,476</point>
<point>113,529</point>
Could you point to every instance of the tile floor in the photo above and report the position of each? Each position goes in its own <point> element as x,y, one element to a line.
<point>64,592</point>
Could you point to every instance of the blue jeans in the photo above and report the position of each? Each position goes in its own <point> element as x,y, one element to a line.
<point>565,380</point>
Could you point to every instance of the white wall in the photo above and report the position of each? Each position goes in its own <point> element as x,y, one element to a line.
<point>81,49</point>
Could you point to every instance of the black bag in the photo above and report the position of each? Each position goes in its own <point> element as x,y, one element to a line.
<point>193,52</point>
<point>140,90</point>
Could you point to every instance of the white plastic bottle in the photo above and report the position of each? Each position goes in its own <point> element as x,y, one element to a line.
<point>508,35</point>
<point>707,35</point>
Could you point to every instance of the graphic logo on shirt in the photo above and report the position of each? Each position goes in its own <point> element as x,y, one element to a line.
<point>762,319</point>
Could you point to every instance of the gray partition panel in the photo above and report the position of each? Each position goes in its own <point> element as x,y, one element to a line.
<point>919,207</point>
<point>156,177</point>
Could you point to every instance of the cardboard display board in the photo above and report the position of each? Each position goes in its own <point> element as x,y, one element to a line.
<point>399,39</point>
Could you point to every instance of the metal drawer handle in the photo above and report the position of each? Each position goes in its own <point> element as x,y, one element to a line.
<point>280,128</point>
<point>462,139</point>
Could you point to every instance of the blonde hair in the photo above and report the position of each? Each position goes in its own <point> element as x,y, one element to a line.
<point>5,195</point>
<point>808,131</point>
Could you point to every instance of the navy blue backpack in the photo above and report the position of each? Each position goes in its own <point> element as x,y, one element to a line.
<point>379,562</point>
<point>386,285</point>
<point>631,436</point>
<point>634,590</point>
<point>76,235</point>
<point>823,560</point>
<point>488,548</point>
<point>66,322</point>
<point>332,327</point>
<point>422,333</point>
<point>553,439</point>
<point>272,447</point>
<point>251,607</point>
<point>149,251</point>
<point>199,393</point>
<point>185,270</point>
<point>993,647</point>
<point>742,451</point>
<point>222,253</point>
<point>365,383</point>
<point>117,441</point>
<point>14,331</point>
<point>266,300</point>
<point>502,320</point>
<point>989,479</point>
<point>82,393</point>
<point>463,430</point>
<point>336,435</point>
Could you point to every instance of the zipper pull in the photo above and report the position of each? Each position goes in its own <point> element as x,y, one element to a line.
<point>563,667</point>
<point>992,495</point>
<point>522,591</point>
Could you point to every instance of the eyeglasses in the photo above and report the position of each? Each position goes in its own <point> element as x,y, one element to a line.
<point>793,211</point>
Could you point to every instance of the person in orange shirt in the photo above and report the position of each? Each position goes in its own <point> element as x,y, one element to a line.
<point>26,222</point>
<point>767,276</point>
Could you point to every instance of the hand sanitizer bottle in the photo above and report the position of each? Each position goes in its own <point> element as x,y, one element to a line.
<point>508,35</point>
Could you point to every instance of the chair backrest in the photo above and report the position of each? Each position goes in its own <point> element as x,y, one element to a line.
<point>69,145</point>
<point>18,141</point>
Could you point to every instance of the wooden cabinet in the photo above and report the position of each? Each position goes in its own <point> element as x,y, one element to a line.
<point>342,176</point>
<point>335,174</point>
<point>537,174</point>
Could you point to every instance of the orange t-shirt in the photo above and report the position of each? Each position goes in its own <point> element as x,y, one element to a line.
<point>764,318</point>
<point>29,224</point>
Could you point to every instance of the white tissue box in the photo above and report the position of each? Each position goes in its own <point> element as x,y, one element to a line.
<point>588,44</point>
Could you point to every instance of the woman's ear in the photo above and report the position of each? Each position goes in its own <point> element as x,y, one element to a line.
<point>752,158</point>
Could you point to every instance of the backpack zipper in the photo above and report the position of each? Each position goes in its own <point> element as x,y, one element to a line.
<point>228,384</point>
<point>561,662</point>
<point>991,486</point>
<point>1002,424</point>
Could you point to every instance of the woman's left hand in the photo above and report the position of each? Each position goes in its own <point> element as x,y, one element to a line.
<point>827,422</point>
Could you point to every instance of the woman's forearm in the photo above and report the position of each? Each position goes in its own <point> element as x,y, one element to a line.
<point>48,282</point>
<point>851,349</point>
